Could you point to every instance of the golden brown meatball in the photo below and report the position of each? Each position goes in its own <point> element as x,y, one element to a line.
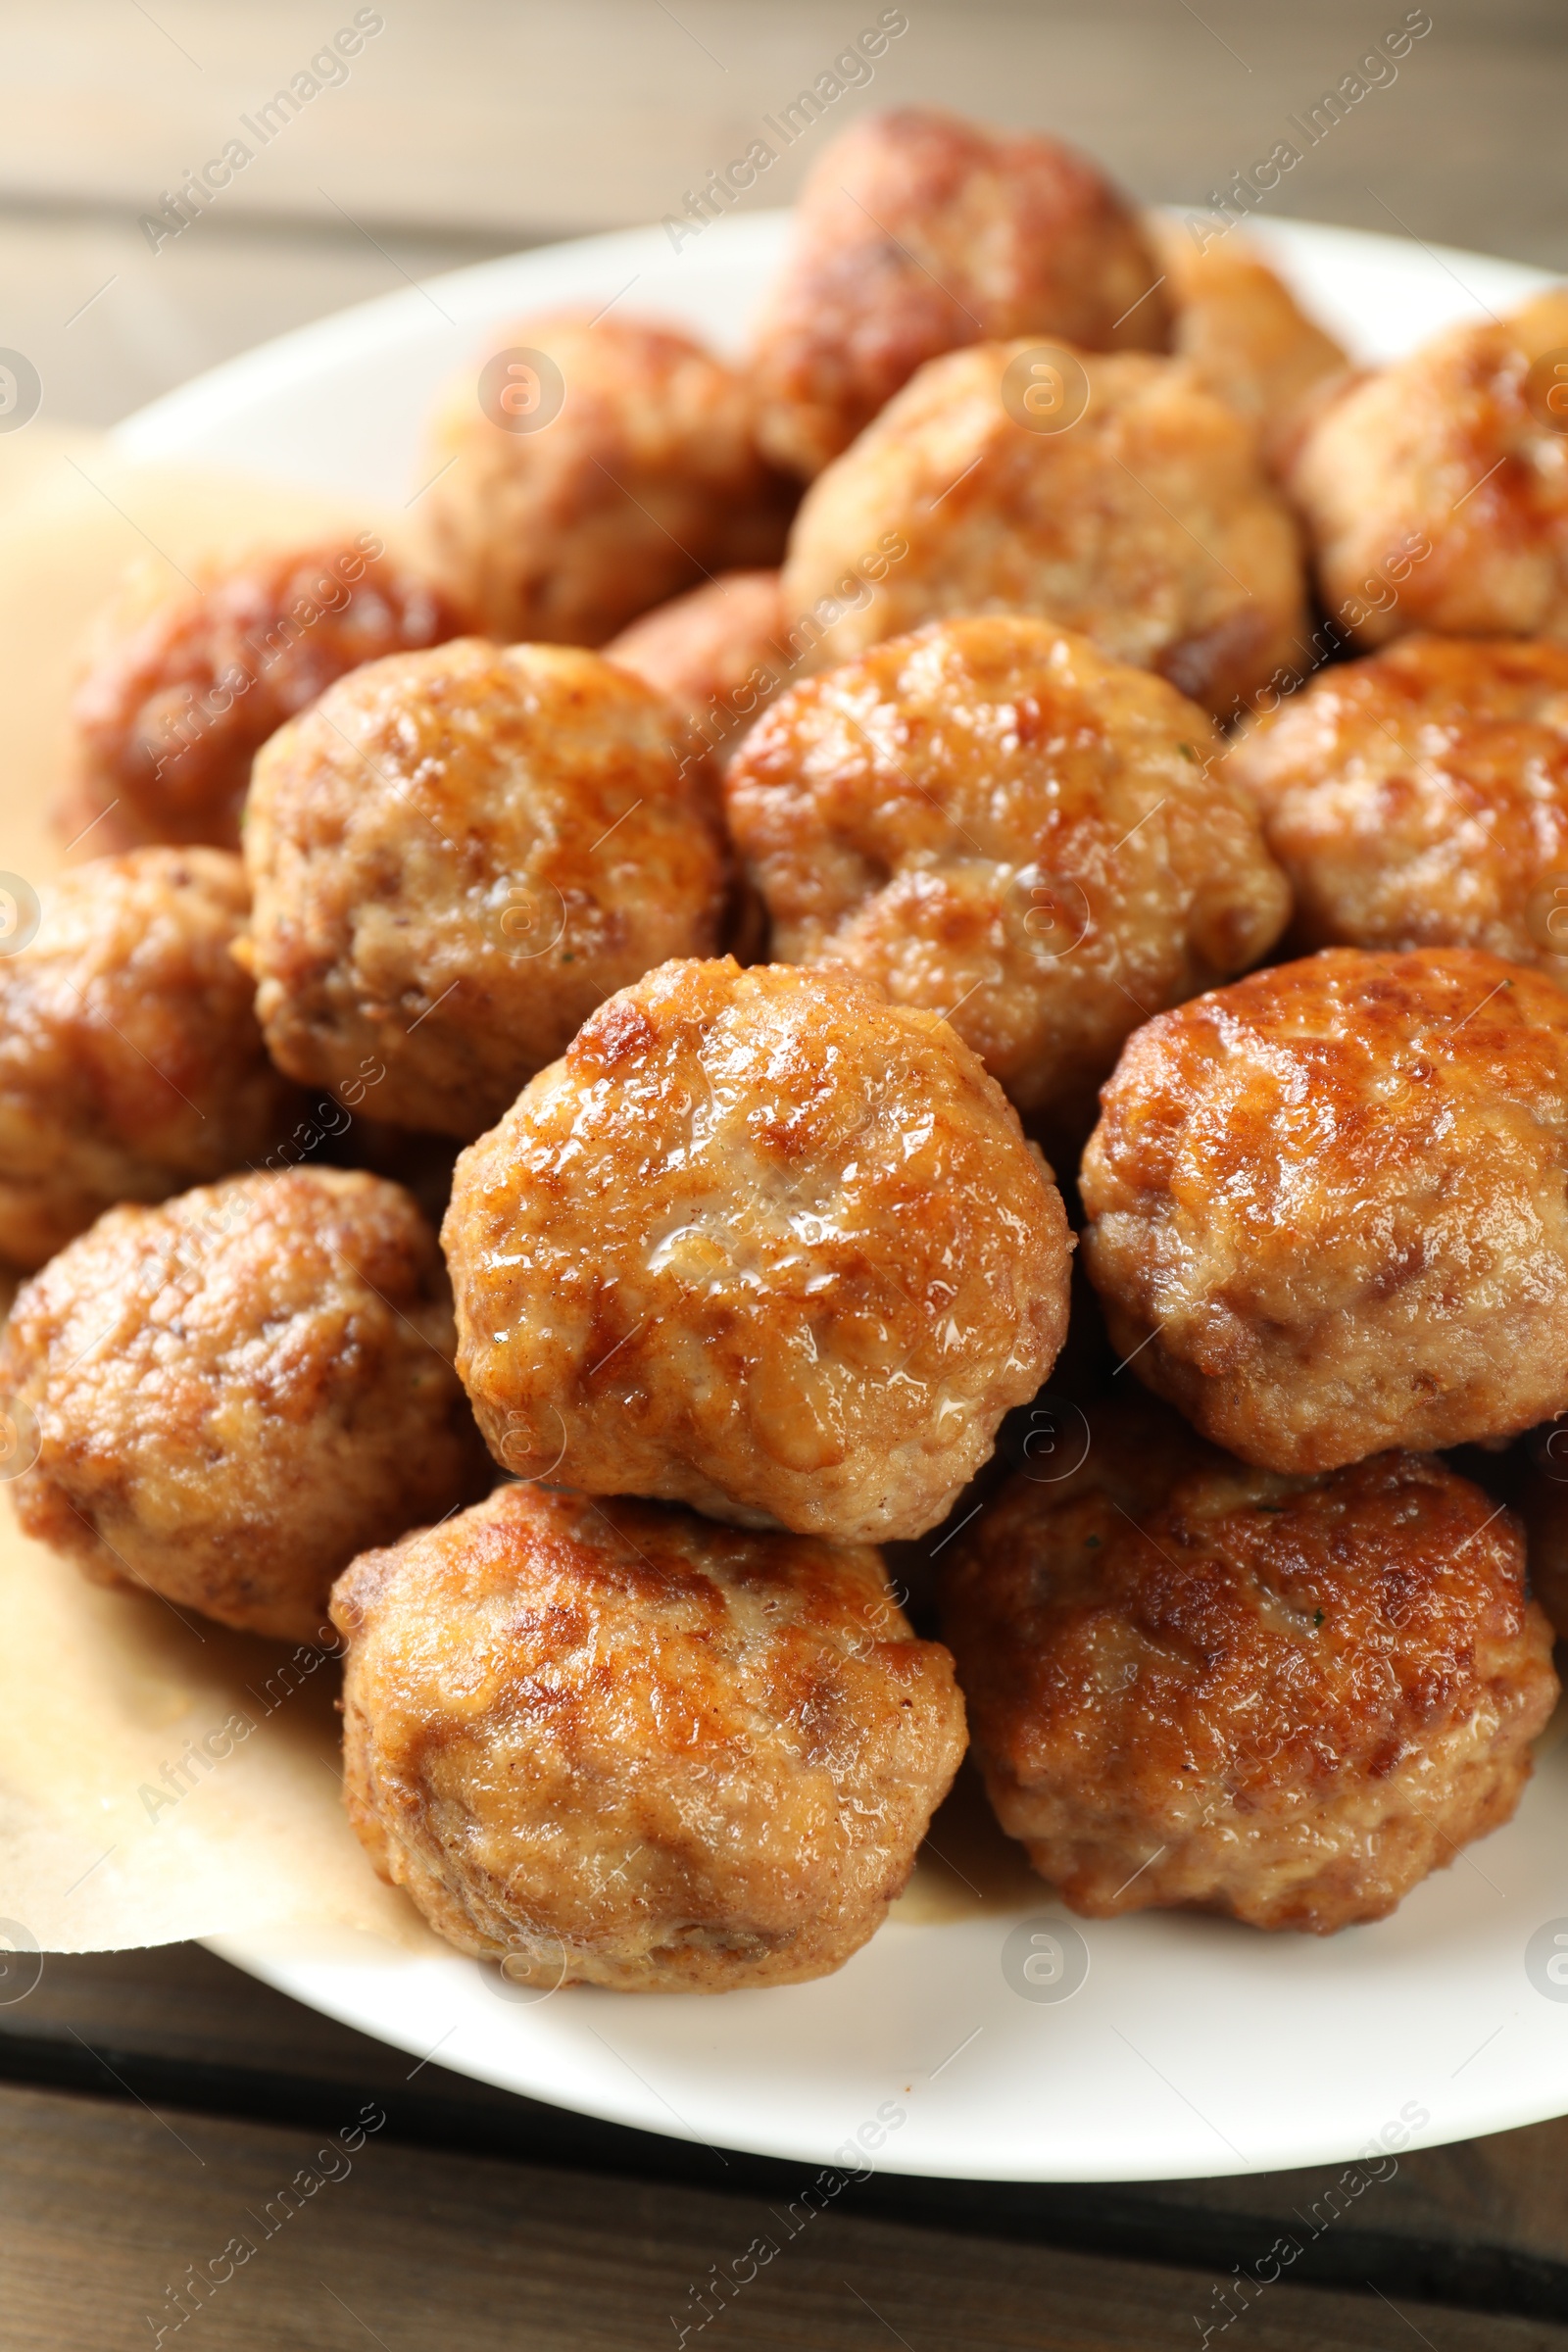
<point>639,478</point>
<point>1144,521</point>
<point>715,652</point>
<point>178,691</point>
<point>1285,1698</point>
<point>761,1242</point>
<point>1243,333</point>
<point>1328,1206</point>
<point>994,821</point>
<point>131,1062</point>
<point>1435,491</point>
<point>1419,798</point>
<point>917,233</point>
<point>455,855</point>
<point>618,1746</point>
<point>236,1392</point>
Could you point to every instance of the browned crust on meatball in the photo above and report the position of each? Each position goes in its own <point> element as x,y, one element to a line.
<point>131,1062</point>
<point>1145,524</point>
<point>715,652</point>
<point>1435,492</point>
<point>1419,798</point>
<point>618,1746</point>
<point>1328,1206</point>
<point>179,690</point>
<point>918,231</point>
<point>994,821</point>
<point>236,1392</point>
<point>1195,1683</point>
<point>1242,331</point>
<point>761,1242</point>
<point>648,480</point>
<point>456,857</point>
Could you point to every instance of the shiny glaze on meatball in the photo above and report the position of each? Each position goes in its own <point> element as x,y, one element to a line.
<point>1328,1206</point>
<point>761,1242</point>
<point>616,1745</point>
<point>994,821</point>
<point>236,1392</point>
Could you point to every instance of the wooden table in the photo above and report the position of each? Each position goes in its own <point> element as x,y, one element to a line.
<point>155,2105</point>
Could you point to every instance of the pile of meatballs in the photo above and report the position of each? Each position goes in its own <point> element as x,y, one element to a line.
<point>1040,758</point>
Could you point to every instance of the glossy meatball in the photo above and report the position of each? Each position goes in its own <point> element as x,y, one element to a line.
<point>645,479</point>
<point>131,1062</point>
<point>761,1242</point>
<point>917,233</point>
<point>994,821</point>
<point>1146,524</point>
<point>1244,334</point>
<point>1435,491</point>
<point>456,857</point>
<point>717,653</point>
<point>1328,1206</point>
<point>619,1746</point>
<point>238,1391</point>
<point>1419,798</point>
<point>1285,1698</point>
<point>179,690</point>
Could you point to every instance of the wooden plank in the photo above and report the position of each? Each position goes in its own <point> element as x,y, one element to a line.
<point>1484,2223</point>
<point>324,2239</point>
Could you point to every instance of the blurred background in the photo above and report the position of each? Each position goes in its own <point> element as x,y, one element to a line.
<point>472,127</point>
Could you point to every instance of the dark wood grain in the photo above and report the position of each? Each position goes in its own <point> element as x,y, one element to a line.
<point>110,2207</point>
<point>1483,2226</point>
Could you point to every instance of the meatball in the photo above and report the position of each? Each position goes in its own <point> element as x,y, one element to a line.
<point>994,821</point>
<point>1243,333</point>
<point>1419,798</point>
<point>641,477</point>
<point>917,233</point>
<point>179,690</point>
<point>623,1746</point>
<point>715,653</point>
<point>1286,1698</point>
<point>236,1392</point>
<point>1144,521</point>
<point>131,1062</point>
<point>761,1242</point>
<point>1435,491</point>
<point>1328,1206</point>
<point>459,854</point>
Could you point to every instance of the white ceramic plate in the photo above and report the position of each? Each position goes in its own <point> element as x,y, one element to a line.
<point>1190,2047</point>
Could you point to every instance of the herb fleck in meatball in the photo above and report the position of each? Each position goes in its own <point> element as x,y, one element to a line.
<point>717,653</point>
<point>761,1242</point>
<point>1144,521</point>
<point>1419,798</point>
<point>917,233</point>
<point>646,481</point>
<point>1328,1206</point>
<point>131,1062</point>
<point>994,821</point>
<point>619,1746</point>
<point>456,857</point>
<point>240,1390</point>
<point>179,690</point>
<point>1435,491</point>
<point>1285,1698</point>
